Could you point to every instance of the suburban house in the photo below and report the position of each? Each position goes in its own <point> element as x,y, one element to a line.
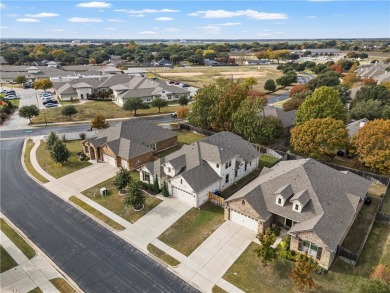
<point>147,89</point>
<point>129,144</point>
<point>163,62</point>
<point>315,203</point>
<point>210,165</point>
<point>354,126</point>
<point>209,62</point>
<point>257,62</point>
<point>377,71</point>
<point>287,118</point>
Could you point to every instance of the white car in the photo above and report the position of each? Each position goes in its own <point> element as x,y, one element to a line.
<point>46,97</point>
<point>11,97</point>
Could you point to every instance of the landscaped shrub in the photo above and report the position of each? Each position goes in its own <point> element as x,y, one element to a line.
<point>146,186</point>
<point>165,191</point>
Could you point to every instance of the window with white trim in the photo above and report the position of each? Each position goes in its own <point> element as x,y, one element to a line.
<point>310,247</point>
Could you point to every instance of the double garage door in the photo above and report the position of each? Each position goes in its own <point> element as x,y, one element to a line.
<point>182,195</point>
<point>109,159</point>
<point>244,220</point>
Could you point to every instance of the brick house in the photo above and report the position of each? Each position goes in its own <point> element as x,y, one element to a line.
<point>129,144</point>
<point>316,204</point>
<point>212,164</point>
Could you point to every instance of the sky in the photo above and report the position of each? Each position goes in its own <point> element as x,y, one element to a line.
<point>310,19</point>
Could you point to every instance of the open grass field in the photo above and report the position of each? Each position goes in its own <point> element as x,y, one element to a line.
<point>27,250</point>
<point>51,167</point>
<point>86,111</point>
<point>62,285</point>
<point>114,202</point>
<point>199,76</point>
<point>248,274</point>
<point>29,166</point>
<point>193,228</point>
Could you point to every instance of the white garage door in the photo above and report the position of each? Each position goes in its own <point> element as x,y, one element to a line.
<point>124,164</point>
<point>182,195</point>
<point>108,159</point>
<point>244,221</point>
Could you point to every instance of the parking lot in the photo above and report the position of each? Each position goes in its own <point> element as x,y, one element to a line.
<point>29,97</point>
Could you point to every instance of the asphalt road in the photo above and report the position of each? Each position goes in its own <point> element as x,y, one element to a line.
<point>38,131</point>
<point>96,259</point>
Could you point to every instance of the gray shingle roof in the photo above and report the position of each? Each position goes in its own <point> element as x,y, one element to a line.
<point>302,197</point>
<point>287,118</point>
<point>331,197</point>
<point>354,127</point>
<point>201,177</point>
<point>131,138</point>
<point>179,162</point>
<point>285,191</point>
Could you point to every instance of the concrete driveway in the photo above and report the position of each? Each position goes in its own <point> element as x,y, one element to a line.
<point>209,262</point>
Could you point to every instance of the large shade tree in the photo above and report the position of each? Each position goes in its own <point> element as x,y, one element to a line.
<point>29,112</point>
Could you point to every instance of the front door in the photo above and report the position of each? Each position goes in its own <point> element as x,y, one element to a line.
<point>288,223</point>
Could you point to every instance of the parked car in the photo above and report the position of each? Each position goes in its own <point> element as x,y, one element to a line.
<point>50,105</point>
<point>10,93</point>
<point>11,97</point>
<point>185,85</point>
<point>177,83</point>
<point>174,115</point>
<point>45,95</point>
<point>50,101</point>
<point>46,98</point>
<point>3,91</point>
<point>171,82</point>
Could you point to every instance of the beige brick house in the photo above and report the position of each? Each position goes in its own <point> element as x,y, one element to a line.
<point>316,204</point>
<point>129,144</point>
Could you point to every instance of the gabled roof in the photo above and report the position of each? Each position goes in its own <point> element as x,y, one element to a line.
<point>81,85</point>
<point>284,191</point>
<point>131,138</point>
<point>178,163</point>
<point>201,177</point>
<point>331,197</point>
<point>66,89</point>
<point>287,118</point>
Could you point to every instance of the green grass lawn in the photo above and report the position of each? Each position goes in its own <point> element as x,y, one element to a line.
<point>27,162</point>
<point>35,290</point>
<point>114,202</point>
<point>267,161</point>
<point>217,289</point>
<point>86,111</point>
<point>183,137</point>
<point>7,262</point>
<point>54,169</point>
<point>248,274</point>
<point>15,103</point>
<point>163,256</point>
<point>62,285</point>
<point>27,250</point>
<point>96,213</point>
<point>193,228</point>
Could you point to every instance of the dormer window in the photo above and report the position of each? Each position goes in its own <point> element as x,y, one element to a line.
<point>181,181</point>
<point>296,207</point>
<point>280,201</point>
<point>217,166</point>
<point>243,201</point>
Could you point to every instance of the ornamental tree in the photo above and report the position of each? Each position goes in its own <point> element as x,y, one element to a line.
<point>99,122</point>
<point>29,112</point>
<point>319,137</point>
<point>122,179</point>
<point>159,103</point>
<point>324,102</point>
<point>134,105</point>
<point>51,140</point>
<point>372,145</point>
<point>301,272</point>
<point>42,84</point>
<point>265,250</point>
<point>135,197</point>
<point>69,111</point>
<point>270,85</point>
<point>59,153</point>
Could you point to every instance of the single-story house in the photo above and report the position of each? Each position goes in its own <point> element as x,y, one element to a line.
<point>163,62</point>
<point>257,62</point>
<point>287,118</point>
<point>210,165</point>
<point>315,203</point>
<point>354,126</point>
<point>129,144</point>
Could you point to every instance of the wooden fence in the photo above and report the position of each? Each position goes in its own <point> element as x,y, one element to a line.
<point>215,199</point>
<point>383,218</point>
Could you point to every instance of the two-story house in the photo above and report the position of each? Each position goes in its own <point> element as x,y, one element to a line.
<point>212,164</point>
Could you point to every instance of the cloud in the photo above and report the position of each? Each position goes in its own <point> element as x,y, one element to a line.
<point>3,27</point>
<point>116,20</point>
<point>94,4</point>
<point>164,18</point>
<point>144,11</point>
<point>310,16</point>
<point>84,20</point>
<point>28,20</point>
<point>57,30</point>
<point>229,24</point>
<point>2,5</point>
<point>138,15</point>
<point>43,14</point>
<point>147,33</point>
<point>252,14</point>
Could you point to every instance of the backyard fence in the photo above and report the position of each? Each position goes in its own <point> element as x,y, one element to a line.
<point>350,256</point>
<point>215,199</point>
<point>189,127</point>
<point>383,218</point>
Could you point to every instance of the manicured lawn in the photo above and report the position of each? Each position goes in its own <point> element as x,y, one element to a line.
<point>359,228</point>
<point>35,290</point>
<point>193,228</point>
<point>217,289</point>
<point>96,213</point>
<point>267,161</point>
<point>27,250</point>
<point>183,137</point>
<point>54,169</point>
<point>248,274</point>
<point>163,256</point>
<point>15,103</point>
<point>29,166</point>
<point>114,202</point>
<point>7,262</point>
<point>62,285</point>
<point>86,111</point>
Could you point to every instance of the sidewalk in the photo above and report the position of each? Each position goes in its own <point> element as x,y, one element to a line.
<point>29,274</point>
<point>203,269</point>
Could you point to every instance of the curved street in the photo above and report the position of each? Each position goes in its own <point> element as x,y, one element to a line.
<point>95,258</point>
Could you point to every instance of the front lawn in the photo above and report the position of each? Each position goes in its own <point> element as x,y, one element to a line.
<point>114,202</point>
<point>27,250</point>
<point>248,274</point>
<point>193,228</point>
<point>183,137</point>
<point>102,217</point>
<point>62,285</point>
<point>7,262</point>
<point>54,169</point>
<point>86,111</point>
<point>163,256</point>
<point>27,162</point>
